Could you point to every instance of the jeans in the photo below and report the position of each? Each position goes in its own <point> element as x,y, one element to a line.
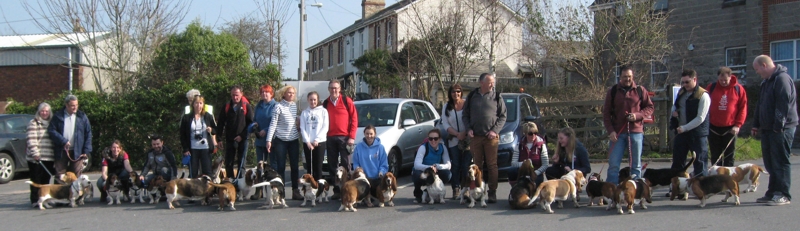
<point>513,175</point>
<point>443,174</point>
<point>459,162</point>
<point>315,159</point>
<point>686,142</point>
<point>124,177</point>
<point>776,149</point>
<point>201,163</point>
<point>616,153</point>
<point>262,153</point>
<point>718,144</point>
<point>277,160</point>
<point>235,152</point>
<point>485,149</point>
<point>39,175</point>
<point>165,172</point>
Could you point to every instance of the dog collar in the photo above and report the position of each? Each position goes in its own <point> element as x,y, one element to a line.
<point>472,185</point>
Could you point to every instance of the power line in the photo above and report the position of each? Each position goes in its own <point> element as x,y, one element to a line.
<point>334,2</point>
<point>323,18</point>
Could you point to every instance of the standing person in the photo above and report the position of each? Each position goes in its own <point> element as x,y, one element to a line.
<point>40,150</point>
<point>263,116</point>
<point>371,156</point>
<point>453,121</point>
<point>570,154</point>
<point>691,111</point>
<point>342,130</point>
<point>282,138</point>
<point>71,135</point>
<point>159,159</point>
<point>430,154</point>
<point>233,122</point>
<point>776,121</point>
<point>314,128</point>
<point>115,161</point>
<point>533,148</point>
<point>626,106</point>
<point>727,114</point>
<point>190,97</point>
<point>197,137</point>
<point>484,117</point>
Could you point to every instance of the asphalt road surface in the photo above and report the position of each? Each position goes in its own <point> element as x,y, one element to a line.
<point>16,214</point>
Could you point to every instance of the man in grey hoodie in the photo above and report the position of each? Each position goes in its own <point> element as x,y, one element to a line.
<point>776,120</point>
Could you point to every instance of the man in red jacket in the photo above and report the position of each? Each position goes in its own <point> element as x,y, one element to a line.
<point>343,123</point>
<point>727,114</point>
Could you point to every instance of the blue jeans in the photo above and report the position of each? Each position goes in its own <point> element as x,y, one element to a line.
<point>261,153</point>
<point>459,163</point>
<point>618,150</point>
<point>278,159</point>
<point>686,142</point>
<point>776,150</point>
<point>443,174</point>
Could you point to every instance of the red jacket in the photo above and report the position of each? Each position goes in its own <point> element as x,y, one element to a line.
<point>728,108</point>
<point>626,102</point>
<point>343,121</point>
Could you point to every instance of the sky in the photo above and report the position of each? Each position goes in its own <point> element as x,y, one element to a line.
<point>322,22</point>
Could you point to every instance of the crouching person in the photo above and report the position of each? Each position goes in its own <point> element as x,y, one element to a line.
<point>431,154</point>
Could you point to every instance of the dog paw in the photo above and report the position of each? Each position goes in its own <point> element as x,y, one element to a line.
<point>631,212</point>
<point>354,210</point>
<point>391,204</point>
<point>111,203</point>
<point>303,204</point>
<point>220,209</point>
<point>442,201</point>
<point>471,205</point>
<point>380,205</point>
<point>233,209</point>
<point>430,202</point>
<point>483,204</point>
<point>550,211</point>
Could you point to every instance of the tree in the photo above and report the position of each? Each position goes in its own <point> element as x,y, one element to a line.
<point>260,38</point>
<point>376,67</point>
<point>121,35</point>
<point>276,14</point>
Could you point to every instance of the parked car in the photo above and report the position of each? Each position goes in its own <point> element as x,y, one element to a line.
<point>521,108</point>
<point>13,145</point>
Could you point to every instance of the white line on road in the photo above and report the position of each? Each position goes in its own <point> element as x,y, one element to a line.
<point>406,185</point>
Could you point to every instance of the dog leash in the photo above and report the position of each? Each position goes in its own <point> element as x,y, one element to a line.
<point>45,168</point>
<point>66,150</point>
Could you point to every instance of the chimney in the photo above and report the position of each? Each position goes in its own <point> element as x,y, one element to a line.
<point>76,26</point>
<point>370,7</point>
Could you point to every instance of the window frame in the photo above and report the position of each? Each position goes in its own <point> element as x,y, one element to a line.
<point>653,73</point>
<point>795,55</point>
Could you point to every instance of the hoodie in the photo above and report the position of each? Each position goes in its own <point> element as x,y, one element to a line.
<point>371,158</point>
<point>777,104</point>
<point>314,124</point>
<point>728,107</point>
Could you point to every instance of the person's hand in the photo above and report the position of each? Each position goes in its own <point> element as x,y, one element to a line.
<point>461,136</point>
<point>491,135</point>
<point>679,130</point>
<point>471,134</point>
<point>262,133</point>
<point>612,136</point>
<point>208,129</point>
<point>567,168</point>
<point>351,141</point>
<point>315,144</point>
<point>754,131</point>
<point>141,178</point>
<point>186,153</point>
<point>554,159</point>
<point>36,157</point>
<point>67,145</point>
<point>735,130</point>
<point>631,117</point>
<point>310,146</point>
<point>238,138</point>
<point>675,114</point>
<point>434,168</point>
<point>269,146</point>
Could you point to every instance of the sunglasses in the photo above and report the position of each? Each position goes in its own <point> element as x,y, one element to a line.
<point>457,91</point>
<point>530,133</point>
<point>685,82</point>
<point>433,138</point>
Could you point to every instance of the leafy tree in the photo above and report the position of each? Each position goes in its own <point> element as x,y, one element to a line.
<point>375,66</point>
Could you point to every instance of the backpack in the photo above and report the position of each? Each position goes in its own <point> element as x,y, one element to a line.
<point>344,98</point>
<point>245,102</point>
<point>714,85</point>
<point>640,91</point>
<point>496,96</point>
<point>425,143</point>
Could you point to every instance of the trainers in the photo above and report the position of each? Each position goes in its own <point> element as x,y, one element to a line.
<point>779,200</point>
<point>764,199</point>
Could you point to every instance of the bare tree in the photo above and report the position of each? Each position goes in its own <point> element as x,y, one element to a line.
<point>276,14</point>
<point>260,39</point>
<point>118,36</point>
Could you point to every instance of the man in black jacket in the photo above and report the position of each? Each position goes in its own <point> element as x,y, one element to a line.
<point>159,159</point>
<point>233,121</point>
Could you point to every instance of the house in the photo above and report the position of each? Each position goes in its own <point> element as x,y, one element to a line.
<point>35,66</point>
<point>390,27</point>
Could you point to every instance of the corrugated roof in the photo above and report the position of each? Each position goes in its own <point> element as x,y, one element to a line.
<point>48,40</point>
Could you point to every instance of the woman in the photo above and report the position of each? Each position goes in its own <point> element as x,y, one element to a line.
<point>197,137</point>
<point>454,125</point>
<point>262,119</point>
<point>371,156</point>
<point>430,154</point>
<point>40,150</point>
<point>284,136</point>
<point>532,147</point>
<point>570,154</point>
<point>314,128</point>
<point>115,162</point>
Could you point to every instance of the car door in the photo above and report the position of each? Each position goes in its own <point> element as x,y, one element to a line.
<point>17,127</point>
<point>412,135</point>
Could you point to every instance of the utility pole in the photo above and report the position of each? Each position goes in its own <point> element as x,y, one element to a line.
<point>302,39</point>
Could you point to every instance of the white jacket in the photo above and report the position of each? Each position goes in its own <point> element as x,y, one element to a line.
<point>314,124</point>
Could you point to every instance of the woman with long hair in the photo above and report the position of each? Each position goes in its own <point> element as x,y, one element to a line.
<point>197,137</point>
<point>570,154</point>
<point>40,150</point>
<point>115,161</point>
<point>453,122</point>
<point>282,138</point>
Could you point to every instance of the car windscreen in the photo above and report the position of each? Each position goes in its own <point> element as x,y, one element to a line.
<point>511,108</point>
<point>377,114</point>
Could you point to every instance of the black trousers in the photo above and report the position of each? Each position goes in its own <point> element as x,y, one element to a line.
<point>40,176</point>
<point>337,148</point>
<point>315,159</point>
<point>234,151</point>
<point>718,138</point>
<point>200,163</point>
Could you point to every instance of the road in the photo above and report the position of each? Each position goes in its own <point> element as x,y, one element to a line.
<point>17,214</point>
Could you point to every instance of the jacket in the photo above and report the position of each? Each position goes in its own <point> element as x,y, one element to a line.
<point>579,162</point>
<point>777,103</point>
<point>233,120</point>
<point>186,130</point>
<point>538,155</point>
<point>39,143</point>
<point>83,134</point>
<point>372,158</point>
<point>314,124</point>
<point>343,117</point>
<point>615,113</point>
<point>164,159</point>
<point>262,118</point>
<point>728,106</point>
<point>484,113</point>
<point>419,159</point>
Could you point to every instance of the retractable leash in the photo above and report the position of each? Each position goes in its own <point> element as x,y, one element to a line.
<point>66,150</point>
<point>45,169</point>
<point>243,159</point>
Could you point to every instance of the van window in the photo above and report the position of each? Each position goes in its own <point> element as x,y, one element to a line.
<point>511,108</point>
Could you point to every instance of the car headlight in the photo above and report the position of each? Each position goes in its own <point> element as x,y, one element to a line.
<point>507,138</point>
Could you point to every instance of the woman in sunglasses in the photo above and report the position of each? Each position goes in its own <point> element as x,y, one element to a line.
<point>453,123</point>
<point>430,154</point>
<point>532,147</point>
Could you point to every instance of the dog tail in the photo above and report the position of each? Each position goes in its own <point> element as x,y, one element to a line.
<point>265,183</point>
<point>535,196</point>
<point>33,184</point>
<point>183,173</point>
<point>694,157</point>
<point>762,170</point>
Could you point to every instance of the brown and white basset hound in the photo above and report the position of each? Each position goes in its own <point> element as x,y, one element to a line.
<point>743,173</point>
<point>473,187</point>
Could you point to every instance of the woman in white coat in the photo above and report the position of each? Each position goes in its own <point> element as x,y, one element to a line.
<point>314,129</point>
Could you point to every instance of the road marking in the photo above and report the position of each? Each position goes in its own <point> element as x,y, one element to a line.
<point>405,185</point>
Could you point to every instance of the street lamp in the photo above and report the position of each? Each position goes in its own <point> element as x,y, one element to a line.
<point>302,7</point>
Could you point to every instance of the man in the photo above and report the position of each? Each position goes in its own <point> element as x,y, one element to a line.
<point>625,108</point>
<point>189,97</point>
<point>71,135</point>
<point>159,159</point>
<point>484,116</point>
<point>776,120</point>
<point>727,114</point>
<point>343,123</point>
<point>691,113</point>
<point>233,122</point>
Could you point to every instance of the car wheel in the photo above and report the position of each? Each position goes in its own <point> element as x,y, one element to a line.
<point>6,168</point>
<point>87,163</point>
<point>394,162</point>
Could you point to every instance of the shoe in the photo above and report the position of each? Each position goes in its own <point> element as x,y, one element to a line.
<point>296,195</point>
<point>190,202</point>
<point>336,196</point>
<point>492,197</point>
<point>668,194</point>
<point>35,204</point>
<point>779,200</point>
<point>764,199</point>
<point>418,200</point>
<point>456,191</point>
<point>103,196</point>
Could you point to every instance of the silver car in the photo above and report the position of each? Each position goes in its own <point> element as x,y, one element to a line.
<point>401,124</point>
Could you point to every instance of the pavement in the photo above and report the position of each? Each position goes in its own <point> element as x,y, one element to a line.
<point>663,214</point>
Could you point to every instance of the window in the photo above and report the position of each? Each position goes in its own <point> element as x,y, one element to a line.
<point>729,3</point>
<point>352,46</point>
<point>389,35</point>
<point>736,59</point>
<point>787,54</point>
<point>330,55</point>
<point>660,5</point>
<point>425,113</point>
<point>511,108</point>
<point>360,43</point>
<point>658,72</point>
<point>528,107</point>
<point>377,37</point>
<point>17,125</point>
<point>313,61</point>
<point>407,113</point>
<point>321,55</point>
<point>341,51</point>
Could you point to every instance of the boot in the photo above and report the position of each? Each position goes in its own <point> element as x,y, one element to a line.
<point>336,193</point>
<point>296,194</point>
<point>492,197</point>
<point>103,196</point>
<point>456,192</point>
<point>257,194</point>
